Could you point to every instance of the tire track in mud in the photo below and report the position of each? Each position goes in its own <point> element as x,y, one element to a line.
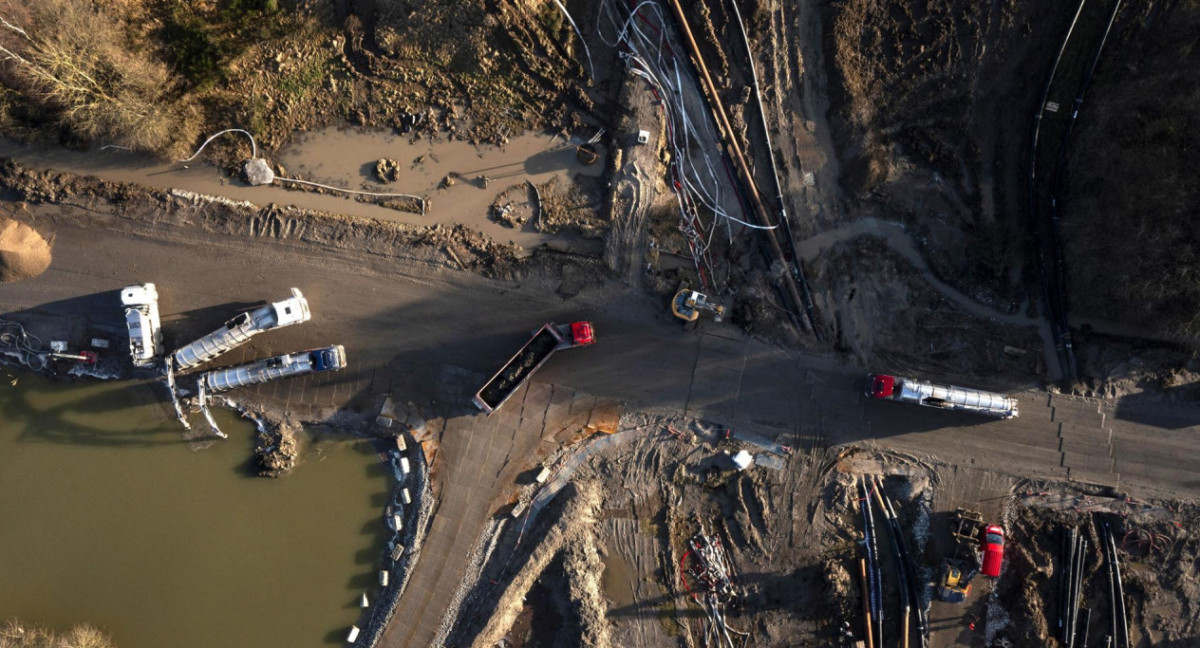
<point>623,247</point>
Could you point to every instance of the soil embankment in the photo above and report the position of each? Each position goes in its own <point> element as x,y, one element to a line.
<point>931,103</point>
<point>1132,179</point>
<point>23,252</point>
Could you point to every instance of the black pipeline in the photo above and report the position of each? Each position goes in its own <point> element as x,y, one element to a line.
<point>910,593</point>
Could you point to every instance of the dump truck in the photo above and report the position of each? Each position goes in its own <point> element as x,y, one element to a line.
<point>239,330</point>
<point>920,392</point>
<point>141,318</point>
<point>545,341</point>
<point>292,364</point>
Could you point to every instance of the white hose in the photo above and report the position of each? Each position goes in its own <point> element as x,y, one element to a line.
<point>253,146</point>
<point>254,154</point>
<point>591,69</point>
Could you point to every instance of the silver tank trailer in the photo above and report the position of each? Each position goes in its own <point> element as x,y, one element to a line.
<point>331,358</point>
<point>950,397</point>
<point>240,329</point>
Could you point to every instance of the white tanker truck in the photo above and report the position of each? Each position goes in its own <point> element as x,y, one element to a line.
<point>909,390</point>
<point>239,330</point>
<point>260,371</point>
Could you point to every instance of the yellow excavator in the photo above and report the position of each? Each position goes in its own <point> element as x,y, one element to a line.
<point>687,305</point>
<point>958,570</point>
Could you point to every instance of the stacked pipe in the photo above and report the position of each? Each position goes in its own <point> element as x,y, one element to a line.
<point>1076,596</point>
<point>1064,588</point>
<point>1055,193</point>
<point>910,593</point>
<point>791,290</point>
<point>1116,592</point>
<point>894,540</point>
<point>1072,582</point>
<point>786,233</point>
<point>692,169</point>
<point>1058,321</point>
<point>713,571</point>
<point>1112,591</point>
<point>874,577</point>
<point>873,548</point>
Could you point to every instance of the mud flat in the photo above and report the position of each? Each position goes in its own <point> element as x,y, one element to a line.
<point>460,179</point>
<point>345,158</point>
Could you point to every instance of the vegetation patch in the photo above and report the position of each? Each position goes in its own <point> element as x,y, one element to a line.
<point>15,634</point>
<point>75,63</point>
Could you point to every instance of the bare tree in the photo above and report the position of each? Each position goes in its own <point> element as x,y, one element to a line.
<point>72,59</point>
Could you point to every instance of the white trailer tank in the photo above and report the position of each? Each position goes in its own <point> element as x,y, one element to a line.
<point>260,371</point>
<point>921,392</point>
<point>240,329</point>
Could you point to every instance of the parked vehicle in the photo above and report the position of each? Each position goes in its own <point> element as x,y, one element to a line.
<point>141,318</point>
<point>239,330</point>
<point>292,364</point>
<point>993,550</point>
<point>545,341</point>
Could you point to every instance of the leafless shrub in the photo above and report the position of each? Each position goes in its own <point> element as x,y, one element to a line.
<point>15,634</point>
<point>73,60</point>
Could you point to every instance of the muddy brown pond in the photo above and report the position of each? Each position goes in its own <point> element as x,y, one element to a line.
<point>108,518</point>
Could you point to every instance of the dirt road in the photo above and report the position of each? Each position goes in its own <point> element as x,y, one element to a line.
<point>405,323</point>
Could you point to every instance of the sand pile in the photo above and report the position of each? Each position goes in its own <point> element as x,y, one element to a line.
<point>23,252</point>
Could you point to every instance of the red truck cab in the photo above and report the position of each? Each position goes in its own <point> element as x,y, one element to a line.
<point>880,386</point>
<point>993,550</point>
<point>582,334</point>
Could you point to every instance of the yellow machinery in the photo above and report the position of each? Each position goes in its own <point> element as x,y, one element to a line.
<point>687,304</point>
<point>954,583</point>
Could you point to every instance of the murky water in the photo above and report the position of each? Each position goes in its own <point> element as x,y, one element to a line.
<point>106,517</point>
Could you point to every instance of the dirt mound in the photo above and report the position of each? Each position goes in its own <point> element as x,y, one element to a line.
<point>23,252</point>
